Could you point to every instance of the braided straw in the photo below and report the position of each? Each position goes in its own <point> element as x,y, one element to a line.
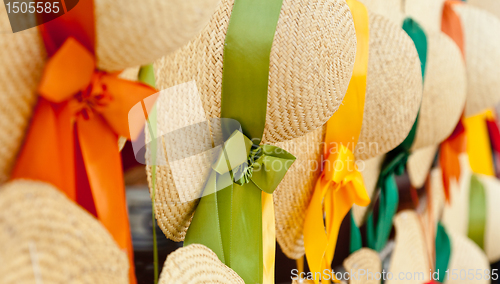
<point>46,237</point>
<point>196,264</point>
<point>409,255</point>
<point>394,87</point>
<point>311,62</point>
<point>366,259</point>
<point>482,56</point>
<point>21,64</point>
<point>133,33</point>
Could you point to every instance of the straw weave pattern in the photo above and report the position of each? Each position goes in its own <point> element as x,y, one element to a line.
<point>309,74</point>
<point>21,64</point>
<point>197,264</point>
<point>41,230</point>
<point>154,28</point>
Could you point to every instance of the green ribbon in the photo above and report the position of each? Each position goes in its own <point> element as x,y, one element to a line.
<point>245,74</point>
<point>395,161</point>
<point>229,220</point>
<point>477,211</point>
<point>146,75</point>
<point>443,252</point>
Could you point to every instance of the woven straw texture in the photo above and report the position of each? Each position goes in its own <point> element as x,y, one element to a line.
<point>46,237</point>
<point>366,259</point>
<point>419,165</point>
<point>311,58</point>
<point>392,101</point>
<point>21,63</point>
<point>160,27</point>
<point>391,9</point>
<point>445,90</point>
<point>491,6</point>
<point>196,264</point>
<point>311,63</point>
<point>427,13</point>
<point>393,89</point>
<point>482,56</point>
<point>409,253</point>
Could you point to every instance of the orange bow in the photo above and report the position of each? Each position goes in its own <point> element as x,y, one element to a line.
<point>73,138</point>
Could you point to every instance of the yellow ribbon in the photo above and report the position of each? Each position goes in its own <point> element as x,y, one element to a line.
<point>478,143</point>
<point>268,238</point>
<point>340,184</point>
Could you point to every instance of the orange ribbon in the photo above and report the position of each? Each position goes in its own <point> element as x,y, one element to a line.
<point>450,151</point>
<point>455,144</point>
<point>72,140</point>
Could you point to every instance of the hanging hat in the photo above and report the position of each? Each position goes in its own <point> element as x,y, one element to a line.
<point>148,32</point>
<point>443,93</point>
<point>196,264</point>
<point>456,215</point>
<point>393,93</point>
<point>363,259</point>
<point>311,62</point>
<point>45,237</point>
<point>410,254</point>
<point>482,55</point>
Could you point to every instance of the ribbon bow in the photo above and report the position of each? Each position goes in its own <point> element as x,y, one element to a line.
<point>228,218</point>
<point>338,188</point>
<point>72,140</point>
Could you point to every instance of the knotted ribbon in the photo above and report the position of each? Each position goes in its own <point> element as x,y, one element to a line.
<point>228,218</point>
<point>72,141</point>
<point>237,221</point>
<point>340,185</point>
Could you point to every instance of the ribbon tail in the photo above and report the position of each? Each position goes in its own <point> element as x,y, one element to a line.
<point>388,205</point>
<point>315,238</point>
<point>104,170</point>
<point>205,226</point>
<point>47,147</point>
<point>246,256</point>
<point>125,95</point>
<point>268,238</point>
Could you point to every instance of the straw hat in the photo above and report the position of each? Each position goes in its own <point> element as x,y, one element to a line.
<point>46,237</point>
<point>311,61</point>
<point>196,264</point>
<point>491,6</point>
<point>410,252</point>
<point>456,214</point>
<point>443,95</point>
<point>366,259</point>
<point>393,94</point>
<point>482,56</point>
<point>152,31</point>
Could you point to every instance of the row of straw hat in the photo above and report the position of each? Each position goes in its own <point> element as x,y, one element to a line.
<point>298,107</point>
